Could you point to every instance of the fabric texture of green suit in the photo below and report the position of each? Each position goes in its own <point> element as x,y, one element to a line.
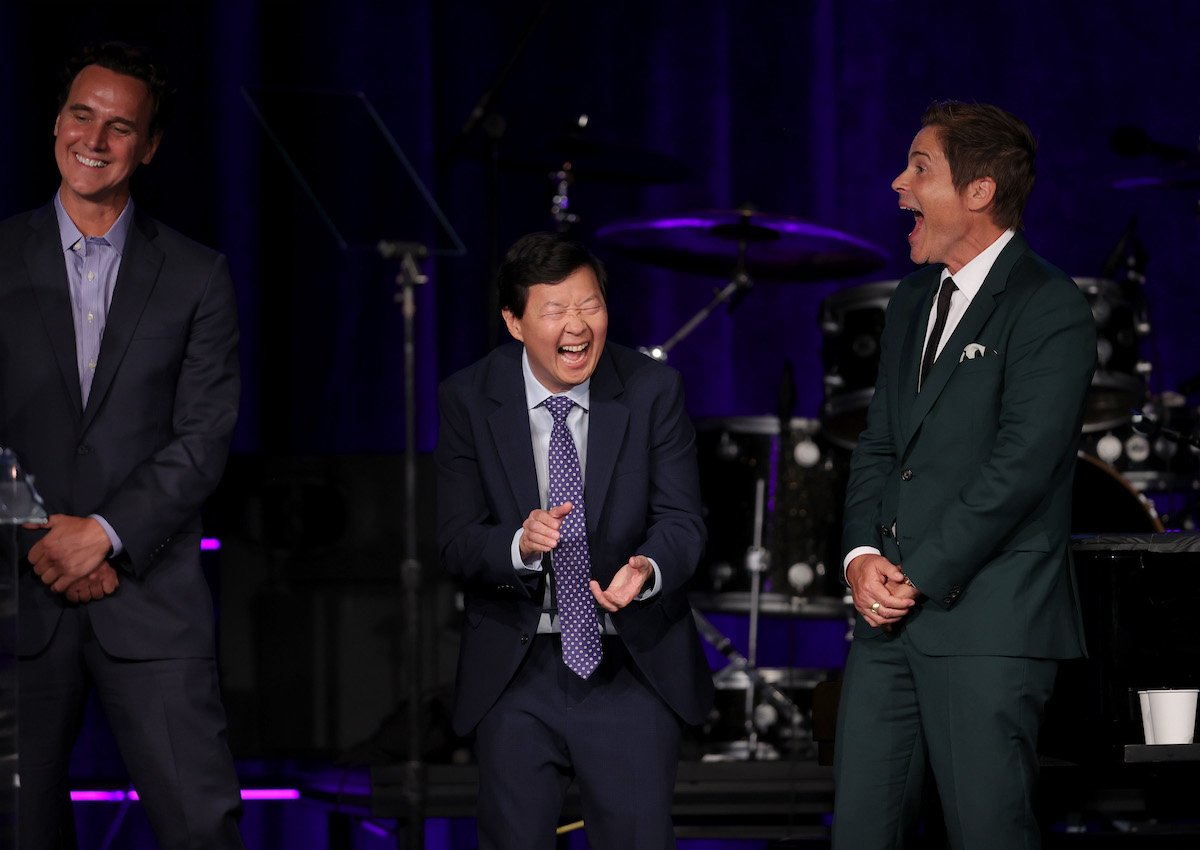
<point>975,471</point>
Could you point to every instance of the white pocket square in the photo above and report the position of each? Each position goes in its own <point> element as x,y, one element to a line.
<point>972,351</point>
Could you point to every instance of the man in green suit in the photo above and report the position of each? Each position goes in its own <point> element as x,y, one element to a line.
<point>958,507</point>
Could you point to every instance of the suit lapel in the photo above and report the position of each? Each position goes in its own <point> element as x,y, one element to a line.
<point>607,421</point>
<point>910,358</point>
<point>47,269</point>
<point>140,265</point>
<point>509,423</point>
<point>972,322</point>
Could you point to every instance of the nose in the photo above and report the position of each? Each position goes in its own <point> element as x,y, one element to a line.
<point>96,136</point>
<point>899,184</point>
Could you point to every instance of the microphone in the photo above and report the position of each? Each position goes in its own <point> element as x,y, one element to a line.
<point>1146,425</point>
<point>1131,141</point>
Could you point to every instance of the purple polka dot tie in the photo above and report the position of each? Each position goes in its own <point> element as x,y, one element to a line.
<point>572,565</point>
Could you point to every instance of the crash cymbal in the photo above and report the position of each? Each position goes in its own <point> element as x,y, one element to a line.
<point>773,247</point>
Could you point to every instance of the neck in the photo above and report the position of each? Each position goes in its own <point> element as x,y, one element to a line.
<point>93,218</point>
<point>972,246</point>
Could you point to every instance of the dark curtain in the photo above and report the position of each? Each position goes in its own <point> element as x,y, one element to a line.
<point>800,108</point>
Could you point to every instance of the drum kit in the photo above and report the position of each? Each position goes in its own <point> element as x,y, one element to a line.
<point>768,595</point>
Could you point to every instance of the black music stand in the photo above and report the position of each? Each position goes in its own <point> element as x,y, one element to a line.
<point>19,502</point>
<point>371,198</point>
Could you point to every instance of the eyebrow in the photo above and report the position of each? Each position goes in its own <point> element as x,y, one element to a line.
<point>116,119</point>
<point>915,154</point>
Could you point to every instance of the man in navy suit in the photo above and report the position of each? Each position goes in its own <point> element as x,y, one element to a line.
<point>118,391</point>
<point>958,507</point>
<point>538,722</point>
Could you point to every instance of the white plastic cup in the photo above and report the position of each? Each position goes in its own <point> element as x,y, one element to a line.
<point>1147,725</point>
<point>1173,714</point>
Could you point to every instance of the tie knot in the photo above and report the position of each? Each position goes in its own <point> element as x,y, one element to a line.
<point>559,406</point>
<point>948,287</point>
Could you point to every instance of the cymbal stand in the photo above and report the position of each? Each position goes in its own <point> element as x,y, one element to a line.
<point>757,561</point>
<point>739,284</point>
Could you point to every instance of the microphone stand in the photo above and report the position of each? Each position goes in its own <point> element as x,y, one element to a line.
<point>408,277</point>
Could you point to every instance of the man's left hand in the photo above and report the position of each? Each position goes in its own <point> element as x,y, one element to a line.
<point>72,548</point>
<point>97,584</point>
<point>626,584</point>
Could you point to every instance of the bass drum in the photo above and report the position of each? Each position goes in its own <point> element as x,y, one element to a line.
<point>1105,503</point>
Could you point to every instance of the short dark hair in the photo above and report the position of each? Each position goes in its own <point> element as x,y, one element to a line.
<point>123,59</point>
<point>542,258</point>
<point>981,140</point>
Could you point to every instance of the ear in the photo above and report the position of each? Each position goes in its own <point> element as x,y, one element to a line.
<point>980,193</point>
<point>514,324</point>
<point>57,118</point>
<point>152,149</point>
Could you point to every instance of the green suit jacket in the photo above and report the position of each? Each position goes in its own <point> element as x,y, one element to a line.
<point>974,473</point>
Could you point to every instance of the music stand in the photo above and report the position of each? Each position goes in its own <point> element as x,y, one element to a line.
<point>19,502</point>
<point>370,197</point>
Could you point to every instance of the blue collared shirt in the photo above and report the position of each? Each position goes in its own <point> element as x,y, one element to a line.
<point>92,264</point>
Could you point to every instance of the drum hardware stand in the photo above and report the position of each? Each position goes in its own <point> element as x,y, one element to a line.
<point>1146,425</point>
<point>739,284</point>
<point>740,664</point>
<point>757,561</point>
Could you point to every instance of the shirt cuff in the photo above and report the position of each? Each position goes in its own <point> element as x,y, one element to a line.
<point>654,585</point>
<point>114,539</point>
<point>854,553</point>
<point>521,566</point>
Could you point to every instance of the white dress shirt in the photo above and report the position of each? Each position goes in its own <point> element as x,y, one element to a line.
<point>967,282</point>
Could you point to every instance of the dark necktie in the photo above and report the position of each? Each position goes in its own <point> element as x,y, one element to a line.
<point>939,325</point>
<point>572,565</point>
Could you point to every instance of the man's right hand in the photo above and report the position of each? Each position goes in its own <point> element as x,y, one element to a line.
<point>539,532</point>
<point>879,591</point>
<point>97,584</point>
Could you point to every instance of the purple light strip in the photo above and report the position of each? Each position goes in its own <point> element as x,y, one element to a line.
<point>118,796</point>
<point>209,544</point>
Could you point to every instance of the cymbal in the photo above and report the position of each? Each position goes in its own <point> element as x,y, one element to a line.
<point>773,247</point>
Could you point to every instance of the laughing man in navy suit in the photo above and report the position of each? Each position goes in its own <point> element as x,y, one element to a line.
<point>538,721</point>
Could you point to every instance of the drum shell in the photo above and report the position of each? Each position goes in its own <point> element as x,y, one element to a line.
<point>804,486</point>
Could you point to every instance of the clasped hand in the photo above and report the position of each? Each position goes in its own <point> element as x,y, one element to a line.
<point>881,592</point>
<point>71,558</point>
<point>540,534</point>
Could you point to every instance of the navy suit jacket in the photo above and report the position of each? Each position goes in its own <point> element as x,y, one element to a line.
<point>150,445</point>
<point>643,497</point>
<point>975,471</point>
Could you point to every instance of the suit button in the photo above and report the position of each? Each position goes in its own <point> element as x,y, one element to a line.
<point>83,449</point>
<point>524,639</point>
<point>906,475</point>
<point>885,530</point>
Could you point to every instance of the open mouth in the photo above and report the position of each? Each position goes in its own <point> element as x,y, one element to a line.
<point>918,221</point>
<point>574,354</point>
<point>90,163</point>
